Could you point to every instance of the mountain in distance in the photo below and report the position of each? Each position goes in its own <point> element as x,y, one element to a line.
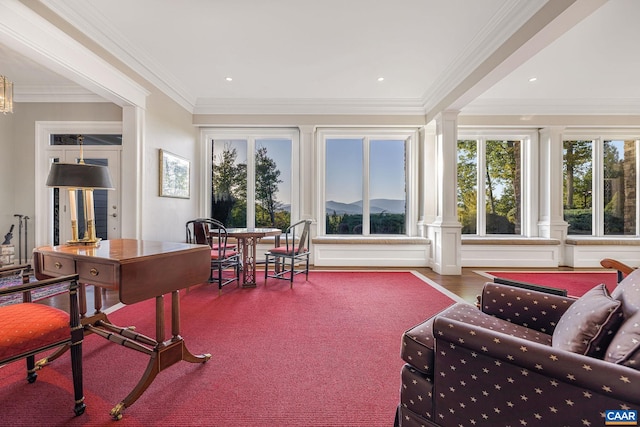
<point>377,206</point>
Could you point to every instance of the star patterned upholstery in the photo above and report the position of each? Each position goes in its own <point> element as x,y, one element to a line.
<point>589,324</point>
<point>497,366</point>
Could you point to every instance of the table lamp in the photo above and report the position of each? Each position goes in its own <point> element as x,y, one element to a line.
<point>80,176</point>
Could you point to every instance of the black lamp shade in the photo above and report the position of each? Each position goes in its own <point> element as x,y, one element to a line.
<point>78,175</point>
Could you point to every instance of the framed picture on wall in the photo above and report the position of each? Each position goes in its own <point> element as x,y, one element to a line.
<point>174,175</point>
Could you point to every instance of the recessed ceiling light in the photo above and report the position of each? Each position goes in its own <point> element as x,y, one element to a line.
<point>228,79</point>
<point>533,79</point>
<point>380,79</point>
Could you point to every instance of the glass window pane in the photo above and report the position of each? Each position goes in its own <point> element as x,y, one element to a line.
<point>86,140</point>
<point>578,175</point>
<point>619,188</point>
<point>503,194</point>
<point>343,186</point>
<point>273,183</point>
<point>468,185</point>
<point>387,197</point>
<point>229,182</point>
<point>100,203</point>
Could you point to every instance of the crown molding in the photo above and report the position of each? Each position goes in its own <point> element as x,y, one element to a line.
<point>504,23</point>
<point>58,93</point>
<point>24,31</point>
<point>310,106</point>
<point>546,107</point>
<point>110,38</point>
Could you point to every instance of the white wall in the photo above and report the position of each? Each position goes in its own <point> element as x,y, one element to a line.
<point>17,155</point>
<point>167,127</point>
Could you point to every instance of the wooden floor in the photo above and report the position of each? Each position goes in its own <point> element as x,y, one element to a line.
<point>467,286</point>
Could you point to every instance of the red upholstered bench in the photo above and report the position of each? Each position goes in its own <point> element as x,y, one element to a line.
<point>28,328</point>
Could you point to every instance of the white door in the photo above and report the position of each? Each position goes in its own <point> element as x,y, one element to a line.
<point>106,202</point>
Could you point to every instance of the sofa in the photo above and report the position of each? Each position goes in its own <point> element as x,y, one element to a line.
<point>524,358</point>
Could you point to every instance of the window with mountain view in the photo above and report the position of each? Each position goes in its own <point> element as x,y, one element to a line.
<point>251,180</point>
<point>365,186</point>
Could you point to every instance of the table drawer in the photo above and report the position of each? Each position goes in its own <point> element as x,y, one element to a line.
<point>94,273</point>
<point>57,266</point>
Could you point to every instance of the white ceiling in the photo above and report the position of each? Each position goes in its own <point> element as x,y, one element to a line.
<point>299,56</point>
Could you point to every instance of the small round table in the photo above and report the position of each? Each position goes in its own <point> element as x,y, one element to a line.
<point>247,241</point>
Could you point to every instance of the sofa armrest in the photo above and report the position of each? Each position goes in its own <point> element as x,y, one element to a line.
<point>533,309</point>
<point>600,377</point>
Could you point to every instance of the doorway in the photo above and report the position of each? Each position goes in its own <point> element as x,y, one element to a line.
<point>57,141</point>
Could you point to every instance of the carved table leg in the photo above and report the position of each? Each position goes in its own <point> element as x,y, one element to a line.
<point>163,355</point>
<point>248,247</point>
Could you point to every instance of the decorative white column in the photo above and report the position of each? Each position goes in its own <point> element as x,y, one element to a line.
<point>552,224</point>
<point>307,172</point>
<point>445,231</point>
<point>133,171</point>
<point>427,178</point>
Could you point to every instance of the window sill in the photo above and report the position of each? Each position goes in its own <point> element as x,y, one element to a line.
<point>603,241</point>
<point>509,241</point>
<point>371,240</point>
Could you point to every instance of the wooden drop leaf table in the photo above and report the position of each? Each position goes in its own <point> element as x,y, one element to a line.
<point>138,270</point>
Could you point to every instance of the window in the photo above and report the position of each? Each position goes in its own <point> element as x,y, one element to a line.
<point>365,186</point>
<point>578,183</point>
<point>600,181</point>
<point>252,177</point>
<point>489,185</point>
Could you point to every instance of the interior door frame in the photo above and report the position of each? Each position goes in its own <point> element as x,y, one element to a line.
<point>43,153</point>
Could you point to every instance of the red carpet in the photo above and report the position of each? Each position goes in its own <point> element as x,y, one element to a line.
<point>326,353</point>
<point>575,282</point>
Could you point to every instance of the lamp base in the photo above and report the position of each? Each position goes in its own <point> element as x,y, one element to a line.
<point>84,242</point>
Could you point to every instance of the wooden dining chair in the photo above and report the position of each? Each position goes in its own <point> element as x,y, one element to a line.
<point>294,251</point>
<point>28,328</point>
<point>224,255</point>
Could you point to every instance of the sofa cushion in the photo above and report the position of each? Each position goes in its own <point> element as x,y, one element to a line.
<point>30,326</point>
<point>628,293</point>
<point>625,345</point>
<point>589,324</point>
<point>416,393</point>
<point>418,342</point>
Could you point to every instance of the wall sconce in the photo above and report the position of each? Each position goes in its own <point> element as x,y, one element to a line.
<point>80,176</point>
<point>6,95</point>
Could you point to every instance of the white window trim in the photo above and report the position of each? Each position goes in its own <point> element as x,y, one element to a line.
<point>411,138</point>
<point>529,179</point>
<point>597,136</point>
<point>250,134</point>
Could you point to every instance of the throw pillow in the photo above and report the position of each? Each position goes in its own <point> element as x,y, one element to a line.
<point>589,324</point>
<point>625,346</point>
